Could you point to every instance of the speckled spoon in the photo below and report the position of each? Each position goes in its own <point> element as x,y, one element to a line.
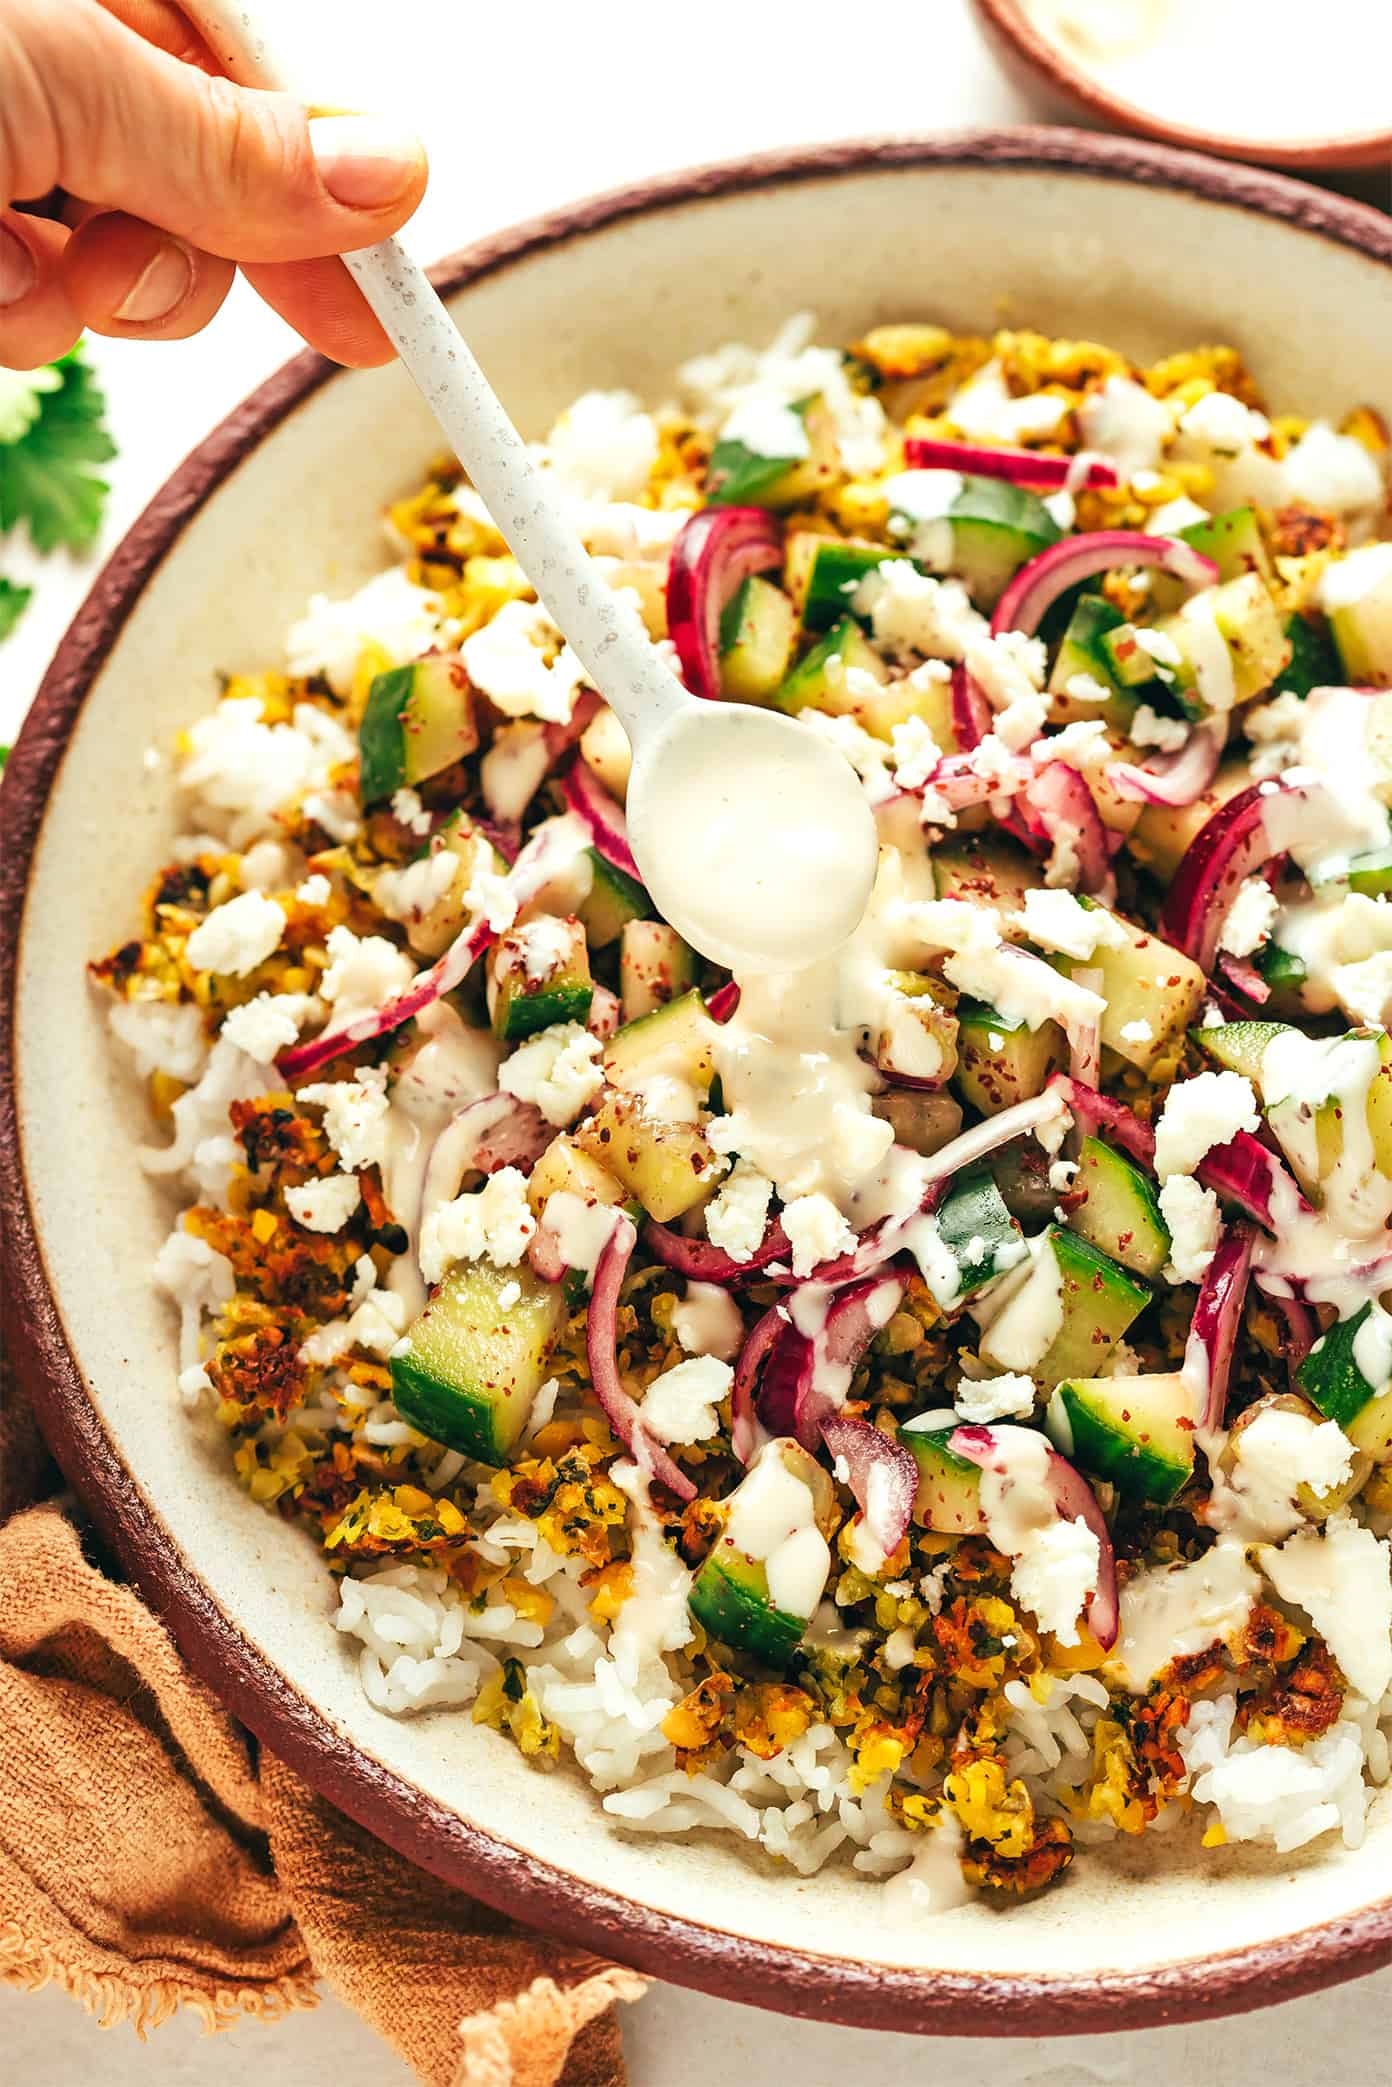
<point>753,835</point>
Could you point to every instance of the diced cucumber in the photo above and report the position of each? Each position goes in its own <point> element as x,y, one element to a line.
<point>974,1222</point>
<point>1099,1300</point>
<point>818,681</point>
<point>1371,874</point>
<point>1314,660</point>
<point>473,1367</point>
<point>984,867</point>
<point>1135,1432</point>
<point>673,1042</point>
<point>1085,650</point>
<point>1164,832</point>
<point>669,1167</point>
<point>604,747</point>
<point>917,1037</point>
<point>1120,1212</point>
<point>742,477</point>
<point>655,967</point>
<point>419,719</point>
<point>949,1486</point>
<point>1233,540</point>
<point>1000,1063</point>
<point>538,975</point>
<point>1231,643</point>
<point>1361,624</point>
<point>1330,1377</point>
<point>1239,1046</point>
<point>758,630</point>
<point>1152,993</point>
<point>564,1169</point>
<point>614,899</point>
<point>995,529</point>
<point>835,570</point>
<point>436,928</point>
<point>730,1599</point>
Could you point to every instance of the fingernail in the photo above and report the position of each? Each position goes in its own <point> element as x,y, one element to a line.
<point>17,271</point>
<point>364,161</point>
<point>161,286</point>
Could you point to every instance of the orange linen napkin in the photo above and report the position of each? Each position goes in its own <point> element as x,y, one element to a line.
<point>151,1859</point>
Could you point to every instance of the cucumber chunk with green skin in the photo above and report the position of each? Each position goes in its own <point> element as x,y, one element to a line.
<point>819,678</point>
<point>1239,1046</point>
<point>1232,646</point>
<point>1097,1301</point>
<point>758,630</point>
<point>949,1486</point>
<point>1330,1377</point>
<point>1120,1212</point>
<point>419,719</point>
<point>473,1366</point>
<point>1135,1432</point>
<point>984,868</point>
<point>995,529</point>
<point>740,476</point>
<point>655,967</point>
<point>835,572</point>
<point>614,898</point>
<point>676,1040</point>
<point>530,992</point>
<point>1285,973</point>
<point>1314,660</point>
<point>974,1222</point>
<point>1000,1063</point>
<point>1362,625</point>
<point>1371,874</point>
<point>1151,990</point>
<point>1089,647</point>
<point>1233,540</point>
<point>730,1599</point>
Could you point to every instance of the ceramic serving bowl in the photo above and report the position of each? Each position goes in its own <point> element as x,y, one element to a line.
<point>1073,234</point>
<point>1045,67</point>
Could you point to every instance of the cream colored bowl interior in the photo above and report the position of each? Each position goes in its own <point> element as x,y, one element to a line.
<point>1071,254</point>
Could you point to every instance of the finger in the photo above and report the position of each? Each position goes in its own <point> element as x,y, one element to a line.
<point>91,107</point>
<point>38,321</point>
<point>323,303</point>
<point>161,23</point>
<point>129,279</point>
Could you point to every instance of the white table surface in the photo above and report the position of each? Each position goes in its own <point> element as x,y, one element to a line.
<point>622,89</point>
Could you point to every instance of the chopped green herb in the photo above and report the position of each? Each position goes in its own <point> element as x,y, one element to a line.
<point>46,475</point>
<point>13,602</point>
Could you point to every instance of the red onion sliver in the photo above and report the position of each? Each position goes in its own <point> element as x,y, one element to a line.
<point>1237,841</point>
<point>603,814</point>
<point>722,1003</point>
<point>1020,467</point>
<point>1039,583</point>
<point>746,1433</point>
<point>605,1013</point>
<point>1245,979</point>
<point>1099,1112</point>
<point>714,551</point>
<point>971,711</point>
<point>881,1473</point>
<point>1073,1499</point>
<point>1244,1172</point>
<point>622,1412</point>
<point>1177,778</point>
<point>1063,805</point>
<point>788,1400</point>
<point>700,1262</point>
<point>1208,1354</point>
<point>496,1131</point>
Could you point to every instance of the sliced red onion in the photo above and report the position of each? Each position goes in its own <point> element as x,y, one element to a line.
<point>700,1262</point>
<point>603,814</point>
<point>1177,778</point>
<point>1038,584</point>
<point>746,1433</point>
<point>1063,805</point>
<point>971,710</point>
<point>1299,1334</point>
<point>1085,1039</point>
<point>586,708</point>
<point>723,1001</point>
<point>605,1013</point>
<point>505,835</point>
<point>1074,1501</point>
<point>544,1254</point>
<point>791,1399</point>
<point>717,549</point>
<point>881,1473</point>
<point>1237,841</point>
<point>1100,1113</point>
<point>1019,467</point>
<point>788,1401</point>
<point>1244,1172</point>
<point>622,1412</point>
<point>1245,979</point>
<point>497,1131</point>
<point>962,780</point>
<point>1208,1354</point>
<point>531,872</point>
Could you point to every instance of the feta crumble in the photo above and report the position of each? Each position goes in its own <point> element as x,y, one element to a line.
<point>1200,1113</point>
<point>1250,918</point>
<point>324,1206</point>
<point>356,1116</point>
<point>984,1399</point>
<point>1059,921</point>
<point>237,936</point>
<point>493,1224</point>
<point>1195,1224</point>
<point>522,665</point>
<point>270,1023</point>
<point>680,1405</point>
<point>737,1216</point>
<point>816,1232</point>
<point>558,1070</point>
<point>389,613</point>
<point>365,972</point>
<point>1056,1573</point>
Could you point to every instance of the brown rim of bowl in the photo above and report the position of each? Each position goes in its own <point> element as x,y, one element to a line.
<point>572,1908</point>
<point>1029,53</point>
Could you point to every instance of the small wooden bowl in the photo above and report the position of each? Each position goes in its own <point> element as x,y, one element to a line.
<point>1037,63</point>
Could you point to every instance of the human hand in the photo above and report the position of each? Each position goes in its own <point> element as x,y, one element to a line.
<point>177,178</point>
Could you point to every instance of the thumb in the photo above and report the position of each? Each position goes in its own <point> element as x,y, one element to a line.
<point>90,107</point>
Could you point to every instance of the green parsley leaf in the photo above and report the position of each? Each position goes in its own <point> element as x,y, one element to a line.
<point>4,756</point>
<point>46,475</point>
<point>13,602</point>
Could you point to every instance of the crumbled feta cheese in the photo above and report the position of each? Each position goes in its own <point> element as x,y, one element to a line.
<point>1250,917</point>
<point>1274,1455</point>
<point>1056,1573</point>
<point>558,1070</point>
<point>816,1232</point>
<point>410,893</point>
<point>984,1399</point>
<point>1334,472</point>
<point>324,1206</point>
<point>737,1216</point>
<point>162,1036</point>
<point>1341,1579</point>
<point>315,891</point>
<point>916,753</point>
<point>1083,689</point>
<point>790,370</point>
<point>1061,1174</point>
<point>365,972</point>
<point>868,756</point>
<point>1199,1113</point>
<point>1059,921</point>
<point>356,1116</point>
<point>679,1406</point>
<point>508,1296</point>
<point>375,1325</point>
<point>1009,669</point>
<point>410,812</point>
<point>1139,1031</point>
<point>522,665</point>
<point>603,447</point>
<point>1159,644</point>
<point>237,936</point>
<point>265,866</point>
<point>1192,1216</point>
<point>984,409</point>
<point>1223,423</point>
<point>911,612</point>
<point>270,1023</point>
<point>493,1224</point>
<point>1149,728</point>
<point>1125,423</point>
<point>389,613</point>
<point>1175,515</point>
<point>581,1229</point>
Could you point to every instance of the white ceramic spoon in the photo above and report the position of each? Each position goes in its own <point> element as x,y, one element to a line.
<point>754,837</point>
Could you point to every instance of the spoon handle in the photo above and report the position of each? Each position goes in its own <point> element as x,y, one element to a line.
<point>605,632</point>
